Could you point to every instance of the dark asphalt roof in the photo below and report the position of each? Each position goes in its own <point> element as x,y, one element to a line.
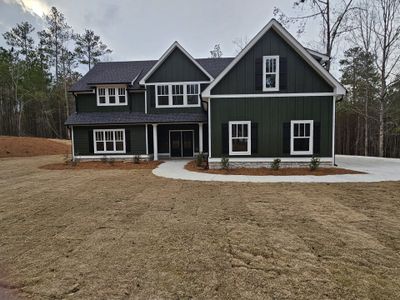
<point>131,72</point>
<point>112,118</point>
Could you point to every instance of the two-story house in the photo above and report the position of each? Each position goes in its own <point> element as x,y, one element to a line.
<point>274,100</point>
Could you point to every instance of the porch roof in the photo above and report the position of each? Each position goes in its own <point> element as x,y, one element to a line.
<point>112,118</point>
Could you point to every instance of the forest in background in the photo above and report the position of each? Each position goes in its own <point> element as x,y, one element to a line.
<point>35,77</point>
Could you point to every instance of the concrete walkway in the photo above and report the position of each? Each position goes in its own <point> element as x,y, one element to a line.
<point>377,169</point>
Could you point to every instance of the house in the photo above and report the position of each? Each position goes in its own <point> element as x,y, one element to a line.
<point>274,100</point>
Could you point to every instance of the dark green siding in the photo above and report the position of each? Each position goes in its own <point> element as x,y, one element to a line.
<point>301,77</point>
<point>151,105</point>
<point>83,139</point>
<point>177,67</point>
<point>270,114</point>
<point>88,103</point>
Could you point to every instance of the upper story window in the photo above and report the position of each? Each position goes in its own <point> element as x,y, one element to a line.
<point>107,96</point>
<point>239,138</point>
<point>301,137</point>
<point>178,95</point>
<point>270,73</point>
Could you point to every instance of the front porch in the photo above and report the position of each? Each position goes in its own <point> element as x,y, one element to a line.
<point>184,140</point>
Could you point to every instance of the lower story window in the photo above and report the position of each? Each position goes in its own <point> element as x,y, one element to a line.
<point>301,137</point>
<point>109,140</point>
<point>239,138</point>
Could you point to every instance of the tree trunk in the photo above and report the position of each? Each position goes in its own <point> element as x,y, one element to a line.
<point>366,127</point>
<point>381,128</point>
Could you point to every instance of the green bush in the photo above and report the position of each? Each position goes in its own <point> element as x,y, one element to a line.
<point>314,164</point>
<point>225,163</point>
<point>200,159</point>
<point>276,164</point>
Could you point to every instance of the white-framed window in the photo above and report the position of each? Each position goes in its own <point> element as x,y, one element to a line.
<point>239,138</point>
<point>108,96</point>
<point>301,137</point>
<point>270,73</point>
<point>177,95</point>
<point>109,141</point>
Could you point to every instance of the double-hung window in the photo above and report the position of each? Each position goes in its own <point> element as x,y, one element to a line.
<point>270,73</point>
<point>107,96</point>
<point>240,138</point>
<point>178,95</point>
<point>109,141</point>
<point>301,137</point>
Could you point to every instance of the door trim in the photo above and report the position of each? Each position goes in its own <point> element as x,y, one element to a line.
<point>169,141</point>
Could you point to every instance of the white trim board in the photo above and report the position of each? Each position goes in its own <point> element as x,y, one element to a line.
<point>110,156</point>
<point>270,159</point>
<point>273,95</point>
<point>338,88</point>
<point>165,55</point>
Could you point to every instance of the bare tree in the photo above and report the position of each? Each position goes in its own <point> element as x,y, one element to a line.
<point>240,43</point>
<point>333,16</point>
<point>216,52</point>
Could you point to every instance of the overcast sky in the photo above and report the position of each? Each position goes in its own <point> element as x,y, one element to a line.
<point>144,29</point>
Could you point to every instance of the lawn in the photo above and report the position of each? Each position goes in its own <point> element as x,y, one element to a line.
<point>126,234</point>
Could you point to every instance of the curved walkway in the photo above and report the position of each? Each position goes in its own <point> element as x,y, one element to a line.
<point>377,169</point>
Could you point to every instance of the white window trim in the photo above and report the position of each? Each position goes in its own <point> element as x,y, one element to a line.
<point>276,88</point>
<point>116,87</point>
<point>311,149</point>
<point>104,141</point>
<point>248,152</point>
<point>170,98</point>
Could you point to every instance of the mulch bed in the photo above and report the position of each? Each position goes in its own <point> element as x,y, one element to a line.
<point>13,146</point>
<point>98,165</point>
<point>191,166</point>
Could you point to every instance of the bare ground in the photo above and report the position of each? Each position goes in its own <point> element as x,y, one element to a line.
<point>126,234</point>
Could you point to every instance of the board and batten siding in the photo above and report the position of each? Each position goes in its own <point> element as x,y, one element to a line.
<point>296,75</point>
<point>270,114</point>
<point>88,103</point>
<point>136,141</point>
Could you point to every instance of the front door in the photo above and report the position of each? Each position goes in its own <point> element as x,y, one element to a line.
<point>181,143</point>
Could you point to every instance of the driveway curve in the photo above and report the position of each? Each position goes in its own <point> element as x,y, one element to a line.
<point>376,169</point>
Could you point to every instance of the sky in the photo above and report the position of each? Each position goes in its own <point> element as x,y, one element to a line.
<point>144,29</point>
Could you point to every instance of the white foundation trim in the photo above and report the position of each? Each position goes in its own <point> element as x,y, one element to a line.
<point>110,156</point>
<point>270,159</point>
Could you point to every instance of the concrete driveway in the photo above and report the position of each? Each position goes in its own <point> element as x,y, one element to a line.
<point>376,169</point>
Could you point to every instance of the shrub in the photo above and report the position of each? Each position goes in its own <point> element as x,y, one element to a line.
<point>276,164</point>
<point>67,158</point>
<point>200,159</point>
<point>225,163</point>
<point>314,164</point>
<point>111,161</point>
<point>136,159</point>
<point>103,159</point>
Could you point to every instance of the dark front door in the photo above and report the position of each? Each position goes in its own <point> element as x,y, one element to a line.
<point>181,143</point>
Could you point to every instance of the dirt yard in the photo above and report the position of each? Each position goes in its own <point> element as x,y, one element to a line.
<point>13,146</point>
<point>126,234</point>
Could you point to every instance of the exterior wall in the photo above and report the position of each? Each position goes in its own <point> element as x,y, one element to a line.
<point>300,77</point>
<point>88,103</point>
<point>270,114</point>
<point>177,67</point>
<point>135,140</point>
<point>163,136</point>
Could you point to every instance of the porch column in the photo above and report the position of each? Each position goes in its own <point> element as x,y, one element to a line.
<point>155,142</point>
<point>201,138</point>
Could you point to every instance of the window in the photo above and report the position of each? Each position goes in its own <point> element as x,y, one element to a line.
<point>163,95</point>
<point>270,73</point>
<point>107,96</point>
<point>109,140</point>
<point>239,138</point>
<point>178,95</point>
<point>192,92</point>
<point>301,137</point>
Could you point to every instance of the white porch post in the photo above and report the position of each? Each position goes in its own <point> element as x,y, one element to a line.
<point>155,142</point>
<point>201,150</point>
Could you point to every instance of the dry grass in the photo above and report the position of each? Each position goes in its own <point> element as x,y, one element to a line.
<point>126,234</point>
<point>13,146</point>
<point>191,166</point>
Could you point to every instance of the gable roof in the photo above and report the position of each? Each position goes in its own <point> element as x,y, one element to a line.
<point>304,53</point>
<point>131,72</point>
<point>167,53</point>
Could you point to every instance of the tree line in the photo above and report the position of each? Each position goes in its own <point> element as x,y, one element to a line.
<point>35,76</point>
